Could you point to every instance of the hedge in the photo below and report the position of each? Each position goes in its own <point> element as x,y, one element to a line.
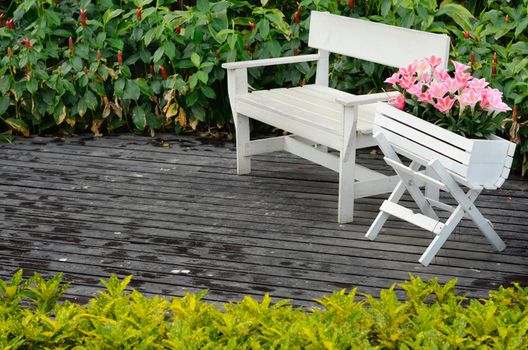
<point>431,317</point>
<point>68,66</point>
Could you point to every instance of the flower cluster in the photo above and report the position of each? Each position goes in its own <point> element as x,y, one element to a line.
<point>424,81</point>
<point>461,103</point>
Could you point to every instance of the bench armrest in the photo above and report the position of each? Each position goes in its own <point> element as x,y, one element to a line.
<point>366,99</point>
<point>270,61</point>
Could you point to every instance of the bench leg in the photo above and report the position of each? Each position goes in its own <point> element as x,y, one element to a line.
<point>242,144</point>
<point>345,206</point>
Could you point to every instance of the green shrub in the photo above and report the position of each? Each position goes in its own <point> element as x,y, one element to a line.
<point>432,317</point>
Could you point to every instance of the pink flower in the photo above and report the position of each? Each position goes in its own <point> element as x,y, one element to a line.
<point>394,79</point>
<point>434,61</point>
<point>459,67</point>
<point>410,70</point>
<point>438,89</point>
<point>416,89</point>
<point>478,84</point>
<point>469,98</point>
<point>425,97</point>
<point>463,78</point>
<point>454,85</point>
<point>441,74</point>
<point>398,101</point>
<point>492,101</point>
<point>407,81</point>
<point>444,104</point>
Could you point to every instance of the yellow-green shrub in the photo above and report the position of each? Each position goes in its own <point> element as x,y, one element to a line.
<point>431,317</point>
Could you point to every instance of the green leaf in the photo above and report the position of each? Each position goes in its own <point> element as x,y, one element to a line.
<point>144,87</point>
<point>139,118</point>
<point>202,76</point>
<point>385,7</point>
<point>4,104</point>
<point>264,28</point>
<point>158,54</point>
<point>18,125</point>
<point>77,64</point>
<point>132,91</point>
<point>115,43</point>
<point>202,5</point>
<point>169,49</point>
<point>208,92</point>
<point>32,86</point>
<point>91,100</point>
<point>458,13</point>
<point>275,48</point>
<point>119,87</point>
<point>5,84</point>
<point>196,60</point>
<point>198,112</point>
<point>111,14</point>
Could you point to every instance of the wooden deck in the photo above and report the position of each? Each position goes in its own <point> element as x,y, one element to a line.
<point>180,220</point>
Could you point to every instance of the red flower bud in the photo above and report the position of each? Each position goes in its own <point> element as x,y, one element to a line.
<point>507,18</point>
<point>296,17</point>
<point>27,43</point>
<point>1,23</point>
<point>251,25</point>
<point>152,70</point>
<point>119,58</point>
<point>9,52</point>
<point>85,70</point>
<point>472,57</point>
<point>515,113</point>
<point>217,54</point>
<point>466,35</point>
<point>493,68</point>
<point>139,12</point>
<point>70,43</point>
<point>494,57</point>
<point>83,18</point>
<point>351,4</point>
<point>57,2</point>
<point>177,30</point>
<point>10,24</point>
<point>99,55</point>
<point>295,51</point>
<point>163,73</point>
<point>246,46</point>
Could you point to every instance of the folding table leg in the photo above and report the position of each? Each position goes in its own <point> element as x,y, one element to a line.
<point>466,201</point>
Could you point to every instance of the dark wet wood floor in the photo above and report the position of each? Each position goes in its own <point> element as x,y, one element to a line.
<point>180,220</point>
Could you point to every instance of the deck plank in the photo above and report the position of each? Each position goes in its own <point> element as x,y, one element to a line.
<point>90,207</point>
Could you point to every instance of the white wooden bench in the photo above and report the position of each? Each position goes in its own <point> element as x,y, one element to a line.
<point>450,160</point>
<point>318,116</point>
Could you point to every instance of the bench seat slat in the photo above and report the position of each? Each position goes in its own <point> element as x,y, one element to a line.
<point>267,101</point>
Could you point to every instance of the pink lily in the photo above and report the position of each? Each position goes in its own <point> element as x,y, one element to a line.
<point>398,101</point>
<point>394,79</point>
<point>434,61</point>
<point>438,90</point>
<point>444,104</point>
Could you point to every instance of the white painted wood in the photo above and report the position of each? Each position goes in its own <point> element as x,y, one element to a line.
<point>415,175</point>
<point>321,75</point>
<point>270,61</point>
<point>375,42</point>
<point>320,117</point>
<point>293,125</point>
<point>458,194</point>
<point>347,160</point>
<point>272,144</point>
<point>408,215</point>
<point>410,139</point>
<point>237,85</point>
<point>311,153</point>
<point>366,99</point>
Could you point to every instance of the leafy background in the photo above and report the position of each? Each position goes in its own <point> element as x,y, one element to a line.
<point>170,76</point>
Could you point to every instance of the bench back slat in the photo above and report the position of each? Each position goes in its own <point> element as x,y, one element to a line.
<point>376,42</point>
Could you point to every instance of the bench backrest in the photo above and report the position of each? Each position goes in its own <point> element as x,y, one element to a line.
<point>473,162</point>
<point>374,42</point>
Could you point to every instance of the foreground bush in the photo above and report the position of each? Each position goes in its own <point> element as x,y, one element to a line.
<point>432,317</point>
